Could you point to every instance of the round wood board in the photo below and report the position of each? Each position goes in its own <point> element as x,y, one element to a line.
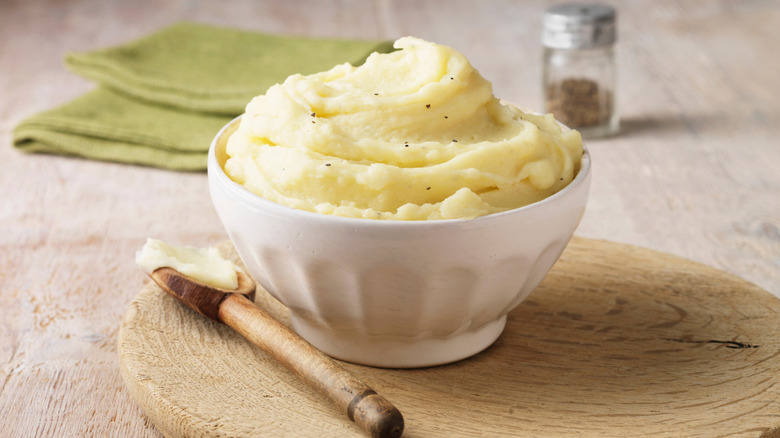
<point>616,341</point>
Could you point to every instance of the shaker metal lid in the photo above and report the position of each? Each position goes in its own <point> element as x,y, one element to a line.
<point>578,26</point>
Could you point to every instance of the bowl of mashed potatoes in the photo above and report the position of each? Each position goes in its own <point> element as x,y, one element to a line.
<point>397,208</point>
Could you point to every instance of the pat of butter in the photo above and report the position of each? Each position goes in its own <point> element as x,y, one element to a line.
<point>203,264</point>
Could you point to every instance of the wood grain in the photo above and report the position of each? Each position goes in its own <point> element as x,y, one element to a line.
<point>617,341</point>
<point>236,309</point>
<point>370,411</point>
<point>693,172</point>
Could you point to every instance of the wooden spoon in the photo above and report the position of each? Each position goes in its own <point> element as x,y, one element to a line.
<point>236,308</point>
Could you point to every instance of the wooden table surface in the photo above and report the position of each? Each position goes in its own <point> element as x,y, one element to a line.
<point>694,171</point>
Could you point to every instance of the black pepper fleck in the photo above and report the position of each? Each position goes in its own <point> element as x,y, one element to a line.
<point>446,117</point>
<point>427,188</point>
<point>428,105</point>
<point>454,141</point>
<point>314,114</point>
<point>376,94</point>
<point>327,164</point>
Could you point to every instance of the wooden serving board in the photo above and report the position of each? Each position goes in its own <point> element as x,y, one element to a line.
<point>617,341</point>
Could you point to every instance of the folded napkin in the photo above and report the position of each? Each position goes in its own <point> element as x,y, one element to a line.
<point>161,99</point>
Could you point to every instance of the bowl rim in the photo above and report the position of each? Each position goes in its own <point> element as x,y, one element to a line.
<point>261,203</point>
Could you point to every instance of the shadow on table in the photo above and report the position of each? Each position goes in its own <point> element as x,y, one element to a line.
<point>677,124</point>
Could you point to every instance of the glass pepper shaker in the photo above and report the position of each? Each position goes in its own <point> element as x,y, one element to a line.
<point>579,67</point>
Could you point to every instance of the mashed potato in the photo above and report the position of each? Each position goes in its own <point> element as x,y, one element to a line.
<point>415,134</point>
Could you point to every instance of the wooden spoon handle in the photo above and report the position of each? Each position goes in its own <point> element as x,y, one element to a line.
<point>370,411</point>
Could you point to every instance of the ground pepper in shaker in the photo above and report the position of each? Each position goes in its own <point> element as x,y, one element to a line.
<point>579,67</point>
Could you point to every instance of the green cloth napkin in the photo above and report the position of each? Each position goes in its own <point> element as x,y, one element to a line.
<point>161,99</point>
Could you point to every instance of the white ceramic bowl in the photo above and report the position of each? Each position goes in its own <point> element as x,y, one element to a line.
<point>396,293</point>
